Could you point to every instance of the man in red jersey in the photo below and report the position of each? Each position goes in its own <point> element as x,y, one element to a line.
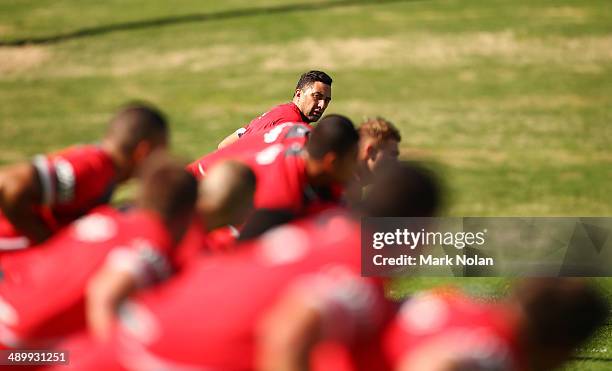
<point>310,99</point>
<point>301,179</point>
<point>138,252</point>
<point>191,322</point>
<point>39,197</point>
<point>46,298</point>
<point>450,331</point>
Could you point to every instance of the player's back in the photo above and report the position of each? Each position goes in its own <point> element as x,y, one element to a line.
<point>286,134</point>
<point>287,112</point>
<point>283,183</point>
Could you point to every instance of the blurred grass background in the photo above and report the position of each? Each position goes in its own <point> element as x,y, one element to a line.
<point>510,100</point>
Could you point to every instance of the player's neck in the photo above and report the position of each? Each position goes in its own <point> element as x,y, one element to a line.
<point>297,106</point>
<point>315,174</point>
<point>119,159</point>
<point>295,103</point>
<point>363,175</point>
<point>174,226</point>
<point>213,222</point>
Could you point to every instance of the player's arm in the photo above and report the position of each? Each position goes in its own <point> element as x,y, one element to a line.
<point>125,271</point>
<point>315,309</point>
<point>288,333</point>
<point>444,354</point>
<point>20,190</point>
<point>105,292</point>
<point>233,137</point>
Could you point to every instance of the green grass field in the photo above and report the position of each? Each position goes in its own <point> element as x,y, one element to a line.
<point>510,100</point>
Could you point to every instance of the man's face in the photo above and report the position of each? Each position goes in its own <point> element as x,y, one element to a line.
<point>313,100</point>
<point>388,151</point>
<point>344,167</point>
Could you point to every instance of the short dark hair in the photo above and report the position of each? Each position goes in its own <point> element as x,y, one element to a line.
<point>311,77</point>
<point>403,189</point>
<point>334,133</point>
<point>138,121</point>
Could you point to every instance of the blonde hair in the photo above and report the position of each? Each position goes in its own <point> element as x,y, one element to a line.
<point>379,129</point>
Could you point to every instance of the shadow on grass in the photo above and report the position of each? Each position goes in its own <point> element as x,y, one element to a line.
<point>592,359</point>
<point>191,18</point>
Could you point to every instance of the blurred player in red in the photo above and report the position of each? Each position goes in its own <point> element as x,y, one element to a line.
<point>225,199</point>
<point>123,250</point>
<point>210,316</point>
<point>38,198</point>
<point>536,329</point>
<point>310,99</point>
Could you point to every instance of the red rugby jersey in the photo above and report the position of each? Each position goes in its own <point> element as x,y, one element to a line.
<point>198,240</point>
<point>287,134</point>
<point>483,333</point>
<point>282,181</point>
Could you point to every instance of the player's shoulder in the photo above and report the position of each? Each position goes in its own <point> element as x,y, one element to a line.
<point>285,112</point>
<point>82,156</point>
<point>100,225</point>
<point>146,224</point>
<point>77,151</point>
<point>269,157</point>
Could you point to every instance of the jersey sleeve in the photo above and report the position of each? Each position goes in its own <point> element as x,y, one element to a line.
<point>147,263</point>
<point>239,132</point>
<point>349,305</point>
<point>196,169</point>
<point>57,179</point>
<point>78,177</point>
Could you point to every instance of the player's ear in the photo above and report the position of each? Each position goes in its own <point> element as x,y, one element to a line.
<point>298,93</point>
<point>142,151</point>
<point>330,161</point>
<point>371,151</point>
